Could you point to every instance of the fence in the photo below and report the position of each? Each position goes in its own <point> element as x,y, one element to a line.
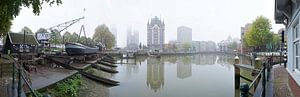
<point>21,78</point>
<point>261,70</point>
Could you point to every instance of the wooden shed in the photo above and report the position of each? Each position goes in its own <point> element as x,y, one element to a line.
<point>20,43</point>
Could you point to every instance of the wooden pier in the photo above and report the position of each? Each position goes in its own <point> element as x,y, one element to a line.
<point>104,68</point>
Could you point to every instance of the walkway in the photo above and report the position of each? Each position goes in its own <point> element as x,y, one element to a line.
<point>46,76</point>
<point>281,80</point>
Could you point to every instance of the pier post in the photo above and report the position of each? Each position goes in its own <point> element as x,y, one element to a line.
<point>237,73</point>
<point>236,60</point>
<point>258,63</point>
<point>257,66</point>
<point>244,90</point>
<point>13,77</point>
<point>264,80</point>
<point>19,81</point>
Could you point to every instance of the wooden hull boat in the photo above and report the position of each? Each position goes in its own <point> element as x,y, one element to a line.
<point>79,49</point>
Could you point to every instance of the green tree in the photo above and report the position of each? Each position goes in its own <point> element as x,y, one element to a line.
<point>186,46</point>
<point>56,38</point>
<point>83,40</point>
<point>103,35</point>
<point>9,9</point>
<point>90,42</point>
<point>233,45</point>
<point>245,44</point>
<point>67,37</point>
<point>276,42</point>
<point>74,37</point>
<point>42,30</point>
<point>26,30</point>
<point>259,34</point>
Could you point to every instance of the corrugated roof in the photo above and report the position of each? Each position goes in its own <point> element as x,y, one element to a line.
<point>18,38</point>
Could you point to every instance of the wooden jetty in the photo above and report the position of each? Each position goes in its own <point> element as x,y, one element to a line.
<point>106,55</point>
<point>88,75</point>
<point>104,68</point>
<point>108,58</point>
<point>108,61</point>
<point>95,65</point>
<point>107,64</point>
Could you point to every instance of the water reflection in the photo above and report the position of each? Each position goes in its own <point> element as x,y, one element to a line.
<point>131,69</point>
<point>225,59</point>
<point>204,59</point>
<point>173,76</point>
<point>184,67</point>
<point>155,73</point>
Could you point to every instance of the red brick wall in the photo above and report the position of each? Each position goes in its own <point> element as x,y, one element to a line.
<point>294,87</point>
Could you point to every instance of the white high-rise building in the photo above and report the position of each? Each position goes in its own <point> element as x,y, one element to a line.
<point>155,34</point>
<point>184,34</point>
<point>132,39</point>
<point>114,31</point>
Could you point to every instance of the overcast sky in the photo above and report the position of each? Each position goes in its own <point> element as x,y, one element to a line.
<point>210,19</point>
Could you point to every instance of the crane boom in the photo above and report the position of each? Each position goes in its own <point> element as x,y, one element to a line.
<point>65,25</point>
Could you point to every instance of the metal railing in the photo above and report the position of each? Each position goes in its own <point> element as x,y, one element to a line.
<point>259,83</point>
<point>21,77</point>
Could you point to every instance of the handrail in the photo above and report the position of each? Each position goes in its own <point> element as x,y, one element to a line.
<point>30,88</point>
<point>255,79</point>
<point>259,82</point>
<point>17,66</point>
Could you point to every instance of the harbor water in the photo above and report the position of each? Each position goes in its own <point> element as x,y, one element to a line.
<point>203,75</point>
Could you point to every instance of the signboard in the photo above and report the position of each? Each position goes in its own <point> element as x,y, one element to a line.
<point>43,36</point>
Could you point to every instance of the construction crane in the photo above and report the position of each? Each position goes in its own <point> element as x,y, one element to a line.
<point>65,25</point>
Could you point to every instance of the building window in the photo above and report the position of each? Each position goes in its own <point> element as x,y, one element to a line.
<point>296,48</point>
<point>296,34</point>
<point>297,55</point>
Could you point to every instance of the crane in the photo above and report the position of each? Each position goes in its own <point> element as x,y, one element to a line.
<point>61,27</point>
<point>65,25</point>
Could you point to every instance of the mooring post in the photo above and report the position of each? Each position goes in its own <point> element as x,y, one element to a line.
<point>236,60</point>
<point>13,77</point>
<point>268,66</point>
<point>257,66</point>
<point>19,81</point>
<point>264,80</point>
<point>237,72</point>
<point>244,90</point>
<point>258,63</point>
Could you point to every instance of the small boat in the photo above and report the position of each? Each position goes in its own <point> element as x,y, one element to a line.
<point>79,49</point>
<point>128,55</point>
<point>156,54</point>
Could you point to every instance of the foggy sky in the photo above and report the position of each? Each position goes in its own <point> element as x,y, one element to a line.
<point>210,19</point>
